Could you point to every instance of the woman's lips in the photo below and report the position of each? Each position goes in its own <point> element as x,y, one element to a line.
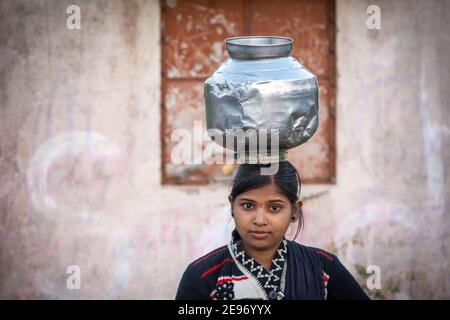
<point>259,235</point>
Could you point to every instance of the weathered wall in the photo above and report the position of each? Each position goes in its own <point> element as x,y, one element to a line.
<point>391,204</point>
<point>80,154</point>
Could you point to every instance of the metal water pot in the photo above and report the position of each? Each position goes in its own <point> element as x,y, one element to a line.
<point>261,87</point>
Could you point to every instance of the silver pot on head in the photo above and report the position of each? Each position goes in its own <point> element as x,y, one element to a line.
<point>261,99</point>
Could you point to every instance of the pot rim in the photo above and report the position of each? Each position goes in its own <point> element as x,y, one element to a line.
<point>258,47</point>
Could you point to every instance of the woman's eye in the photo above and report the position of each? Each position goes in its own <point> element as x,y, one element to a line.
<point>275,208</point>
<point>247,205</point>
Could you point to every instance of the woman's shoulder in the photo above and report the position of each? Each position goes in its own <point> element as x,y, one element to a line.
<point>198,279</point>
<point>327,258</point>
<point>209,260</point>
<point>338,280</point>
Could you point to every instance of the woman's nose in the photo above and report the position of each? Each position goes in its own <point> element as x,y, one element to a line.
<point>260,217</point>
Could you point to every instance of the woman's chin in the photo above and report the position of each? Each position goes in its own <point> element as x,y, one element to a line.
<point>260,244</point>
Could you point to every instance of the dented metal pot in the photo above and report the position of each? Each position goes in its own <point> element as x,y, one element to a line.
<point>261,87</point>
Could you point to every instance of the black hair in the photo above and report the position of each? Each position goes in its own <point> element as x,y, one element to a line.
<point>287,180</point>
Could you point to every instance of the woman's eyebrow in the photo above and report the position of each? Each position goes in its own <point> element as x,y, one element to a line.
<point>277,200</point>
<point>246,199</point>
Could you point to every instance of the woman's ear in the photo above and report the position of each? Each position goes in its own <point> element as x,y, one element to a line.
<point>230,198</point>
<point>294,217</point>
<point>296,213</point>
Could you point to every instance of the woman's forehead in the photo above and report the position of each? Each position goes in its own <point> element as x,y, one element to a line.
<point>269,192</point>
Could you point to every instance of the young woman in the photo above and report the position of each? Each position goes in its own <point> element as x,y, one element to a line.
<point>259,262</point>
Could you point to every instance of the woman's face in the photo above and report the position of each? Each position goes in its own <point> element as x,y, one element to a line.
<point>262,217</point>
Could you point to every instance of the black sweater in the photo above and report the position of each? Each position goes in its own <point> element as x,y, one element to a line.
<point>202,277</point>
